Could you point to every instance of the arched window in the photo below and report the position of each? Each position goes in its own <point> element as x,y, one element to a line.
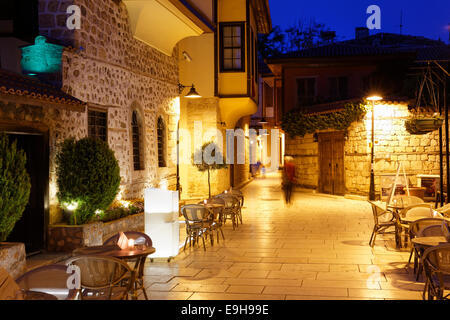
<point>161,131</point>
<point>137,145</point>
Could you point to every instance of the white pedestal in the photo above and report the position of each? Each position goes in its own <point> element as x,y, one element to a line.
<point>161,222</point>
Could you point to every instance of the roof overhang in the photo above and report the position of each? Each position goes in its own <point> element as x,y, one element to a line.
<point>276,65</point>
<point>161,24</point>
<point>262,14</point>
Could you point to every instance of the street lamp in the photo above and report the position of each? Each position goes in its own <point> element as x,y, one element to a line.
<point>372,154</point>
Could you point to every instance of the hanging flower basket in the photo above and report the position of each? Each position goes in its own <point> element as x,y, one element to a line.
<point>423,125</point>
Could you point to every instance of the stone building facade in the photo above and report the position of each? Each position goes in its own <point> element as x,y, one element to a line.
<point>106,67</point>
<point>418,154</point>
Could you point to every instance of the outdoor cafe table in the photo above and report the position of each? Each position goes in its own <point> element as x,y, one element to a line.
<point>429,241</point>
<point>136,253</point>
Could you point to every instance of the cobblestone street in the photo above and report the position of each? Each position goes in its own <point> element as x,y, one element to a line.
<point>317,248</point>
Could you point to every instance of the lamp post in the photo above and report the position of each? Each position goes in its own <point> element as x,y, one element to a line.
<point>372,153</point>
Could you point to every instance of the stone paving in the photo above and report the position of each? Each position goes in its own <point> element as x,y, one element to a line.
<point>317,248</point>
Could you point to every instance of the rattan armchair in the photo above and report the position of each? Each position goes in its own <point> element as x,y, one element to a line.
<point>240,196</point>
<point>198,223</point>
<point>436,264</point>
<point>139,239</point>
<point>417,229</point>
<point>383,220</point>
<point>103,278</point>
<point>232,208</point>
<point>216,218</point>
<point>414,210</point>
<point>51,279</point>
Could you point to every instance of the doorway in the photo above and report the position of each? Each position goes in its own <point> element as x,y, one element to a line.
<point>331,162</point>
<point>31,227</point>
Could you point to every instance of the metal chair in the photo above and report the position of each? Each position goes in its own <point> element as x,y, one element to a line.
<point>240,196</point>
<point>217,217</point>
<point>232,208</point>
<point>416,229</point>
<point>139,239</point>
<point>103,278</point>
<point>51,279</point>
<point>436,264</point>
<point>198,223</point>
<point>382,222</point>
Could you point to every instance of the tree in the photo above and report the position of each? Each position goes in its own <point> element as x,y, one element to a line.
<point>208,158</point>
<point>297,37</point>
<point>88,177</point>
<point>15,185</point>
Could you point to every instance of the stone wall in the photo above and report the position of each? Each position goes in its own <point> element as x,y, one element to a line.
<point>59,122</point>
<point>64,238</point>
<point>419,154</point>
<point>13,258</point>
<point>111,71</point>
<point>195,183</point>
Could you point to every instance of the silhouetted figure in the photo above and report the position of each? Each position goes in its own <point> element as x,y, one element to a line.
<point>288,178</point>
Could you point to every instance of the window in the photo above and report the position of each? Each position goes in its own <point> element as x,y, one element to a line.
<point>97,124</point>
<point>232,47</point>
<point>137,145</point>
<point>338,88</point>
<point>161,131</point>
<point>306,92</point>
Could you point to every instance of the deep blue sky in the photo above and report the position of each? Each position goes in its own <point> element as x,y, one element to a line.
<point>429,18</point>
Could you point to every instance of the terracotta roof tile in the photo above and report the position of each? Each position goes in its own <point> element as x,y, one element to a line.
<point>16,84</point>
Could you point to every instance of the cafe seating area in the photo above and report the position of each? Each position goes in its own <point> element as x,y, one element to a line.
<point>425,230</point>
<point>210,215</point>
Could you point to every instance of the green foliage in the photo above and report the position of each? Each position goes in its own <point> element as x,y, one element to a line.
<point>297,123</point>
<point>88,175</point>
<point>214,160</point>
<point>117,213</point>
<point>297,37</point>
<point>209,149</point>
<point>14,185</point>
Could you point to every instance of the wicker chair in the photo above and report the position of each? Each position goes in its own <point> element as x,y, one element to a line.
<point>240,196</point>
<point>436,264</point>
<point>232,208</point>
<point>51,279</point>
<point>139,239</point>
<point>416,229</point>
<point>198,223</point>
<point>217,217</point>
<point>383,220</point>
<point>414,210</point>
<point>103,278</point>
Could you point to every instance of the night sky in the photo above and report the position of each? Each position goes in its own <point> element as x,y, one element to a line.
<point>428,18</point>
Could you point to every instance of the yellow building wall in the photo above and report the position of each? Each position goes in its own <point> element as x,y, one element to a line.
<point>232,10</point>
<point>200,70</point>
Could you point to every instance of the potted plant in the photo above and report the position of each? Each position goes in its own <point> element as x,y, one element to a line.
<point>88,178</point>
<point>425,117</point>
<point>208,158</point>
<point>15,189</point>
<point>14,185</point>
<point>423,123</point>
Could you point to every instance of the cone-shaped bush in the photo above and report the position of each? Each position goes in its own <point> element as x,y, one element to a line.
<point>14,185</point>
<point>88,178</point>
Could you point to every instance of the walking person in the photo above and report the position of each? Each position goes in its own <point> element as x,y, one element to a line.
<point>288,178</point>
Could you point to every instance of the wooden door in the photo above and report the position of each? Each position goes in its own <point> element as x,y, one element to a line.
<point>331,162</point>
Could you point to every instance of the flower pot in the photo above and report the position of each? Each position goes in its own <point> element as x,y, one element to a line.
<point>423,125</point>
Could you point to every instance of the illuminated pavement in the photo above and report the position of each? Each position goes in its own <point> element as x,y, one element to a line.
<point>315,249</point>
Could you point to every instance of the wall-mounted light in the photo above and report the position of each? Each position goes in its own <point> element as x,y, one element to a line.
<point>263,121</point>
<point>192,94</point>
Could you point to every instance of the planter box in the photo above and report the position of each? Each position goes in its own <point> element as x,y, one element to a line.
<point>65,238</point>
<point>13,258</point>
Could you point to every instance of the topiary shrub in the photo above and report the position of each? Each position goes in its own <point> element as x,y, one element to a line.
<point>88,178</point>
<point>14,185</point>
